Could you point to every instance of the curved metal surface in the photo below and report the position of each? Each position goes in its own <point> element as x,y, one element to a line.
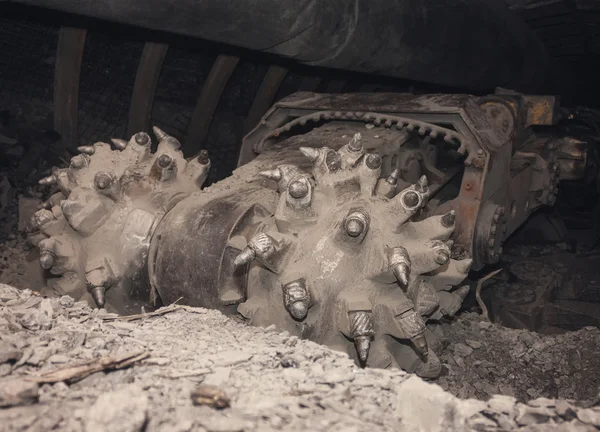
<point>473,44</point>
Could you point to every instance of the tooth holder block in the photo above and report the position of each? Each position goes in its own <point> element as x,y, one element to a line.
<point>355,231</point>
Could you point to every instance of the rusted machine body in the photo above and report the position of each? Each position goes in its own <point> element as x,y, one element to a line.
<point>353,219</point>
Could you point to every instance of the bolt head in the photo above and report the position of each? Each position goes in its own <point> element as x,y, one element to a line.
<point>442,257</point>
<point>298,189</point>
<point>164,161</point>
<point>46,260</point>
<point>203,157</point>
<point>298,309</point>
<point>78,162</point>
<point>354,227</point>
<point>142,138</point>
<point>410,199</point>
<point>102,181</point>
<point>373,161</point>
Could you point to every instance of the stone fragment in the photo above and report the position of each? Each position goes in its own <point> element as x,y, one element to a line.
<point>15,391</point>
<point>473,343</point>
<point>9,352</point>
<point>589,416</point>
<point>231,358</point>
<point>35,319</point>
<point>463,350</point>
<point>528,415</point>
<point>122,410</point>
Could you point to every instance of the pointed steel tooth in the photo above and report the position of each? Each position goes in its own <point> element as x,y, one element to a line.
<point>400,263</point>
<point>355,143</point>
<point>244,257</point>
<point>422,185</point>
<point>362,344</point>
<point>311,153</point>
<point>159,133</point>
<point>449,218</point>
<point>51,179</point>
<point>98,294</point>
<point>402,273</point>
<point>361,329</point>
<point>47,259</point>
<point>119,143</point>
<point>463,291</point>
<point>393,177</point>
<point>88,150</point>
<point>274,174</point>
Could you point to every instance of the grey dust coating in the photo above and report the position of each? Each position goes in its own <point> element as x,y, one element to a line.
<point>272,381</point>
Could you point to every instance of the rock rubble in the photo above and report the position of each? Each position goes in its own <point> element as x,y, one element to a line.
<point>50,350</point>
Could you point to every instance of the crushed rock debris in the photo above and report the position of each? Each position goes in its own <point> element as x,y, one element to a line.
<point>272,381</point>
<point>483,359</point>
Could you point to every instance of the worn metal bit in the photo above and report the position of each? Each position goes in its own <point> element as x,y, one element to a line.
<point>357,221</point>
<point>142,138</point>
<point>298,189</point>
<point>203,157</point>
<point>422,185</point>
<point>47,259</point>
<point>373,161</point>
<point>51,179</point>
<point>98,294</point>
<point>312,154</point>
<point>442,255</point>
<point>79,161</point>
<point>296,298</point>
<point>159,133</point>
<point>400,264</point>
<point>260,246</point>
<point>361,328</point>
<point>355,144</point>
<point>88,150</point>
<point>449,218</point>
<point>410,200</point>
<point>102,180</point>
<point>244,257</point>
<point>393,177</point>
<point>119,143</point>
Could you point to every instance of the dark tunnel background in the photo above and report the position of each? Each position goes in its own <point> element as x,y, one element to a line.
<point>28,40</point>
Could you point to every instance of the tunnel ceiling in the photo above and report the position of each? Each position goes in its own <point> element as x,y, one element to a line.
<point>570,32</point>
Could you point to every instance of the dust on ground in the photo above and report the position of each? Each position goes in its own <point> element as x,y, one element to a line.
<point>273,381</point>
